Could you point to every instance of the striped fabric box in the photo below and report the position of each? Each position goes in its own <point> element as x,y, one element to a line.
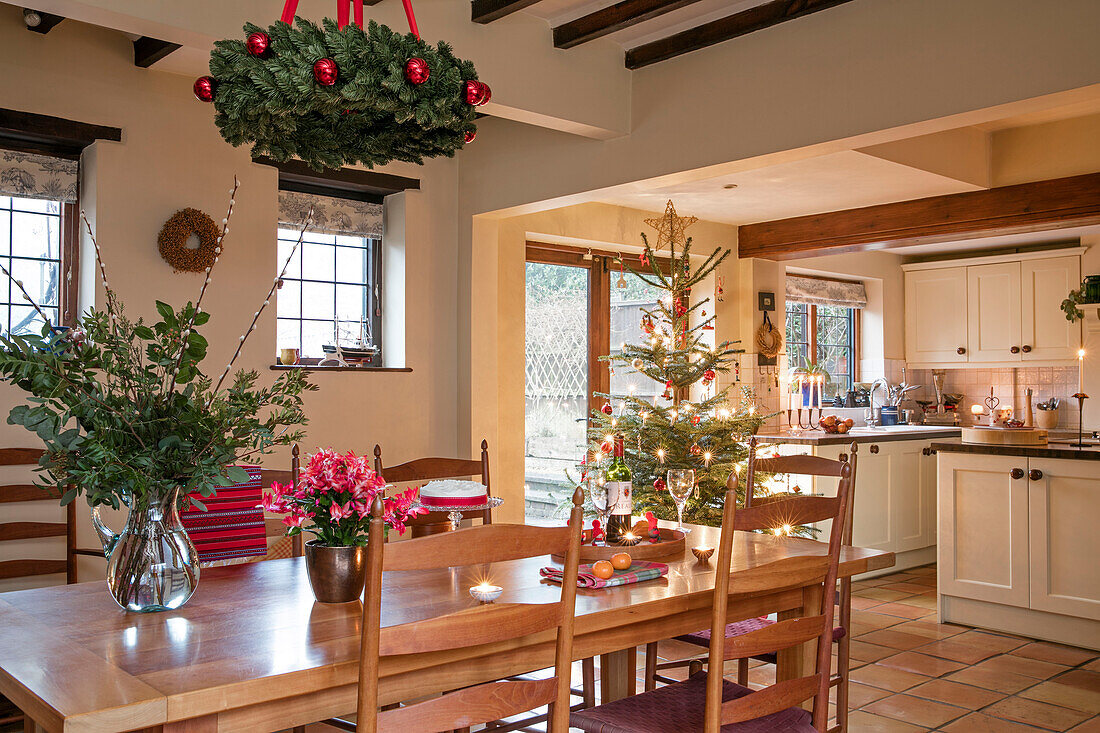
<point>233,525</point>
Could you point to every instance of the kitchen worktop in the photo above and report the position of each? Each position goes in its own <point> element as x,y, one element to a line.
<point>1053,450</point>
<point>861,435</point>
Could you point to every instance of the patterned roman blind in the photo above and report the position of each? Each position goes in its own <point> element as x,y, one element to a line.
<point>820,291</point>
<point>331,215</point>
<point>32,176</point>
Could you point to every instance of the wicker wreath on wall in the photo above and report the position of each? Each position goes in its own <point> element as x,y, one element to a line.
<point>769,339</point>
<point>172,241</point>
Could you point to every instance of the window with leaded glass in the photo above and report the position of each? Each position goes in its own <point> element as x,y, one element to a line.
<point>830,334</point>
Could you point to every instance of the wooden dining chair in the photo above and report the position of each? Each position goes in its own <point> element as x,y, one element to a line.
<point>431,469</point>
<point>805,465</point>
<point>706,701</point>
<point>477,625</point>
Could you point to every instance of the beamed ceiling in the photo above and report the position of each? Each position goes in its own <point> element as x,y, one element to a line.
<point>651,31</point>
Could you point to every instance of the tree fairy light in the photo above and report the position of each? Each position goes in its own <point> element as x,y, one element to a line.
<point>660,455</point>
<point>707,458</point>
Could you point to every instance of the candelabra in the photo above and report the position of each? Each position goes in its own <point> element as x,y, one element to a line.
<point>812,425</point>
<point>1080,397</point>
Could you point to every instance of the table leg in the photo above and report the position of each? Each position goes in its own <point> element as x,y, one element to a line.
<point>618,674</point>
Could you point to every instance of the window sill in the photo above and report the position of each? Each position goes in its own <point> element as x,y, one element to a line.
<point>315,368</point>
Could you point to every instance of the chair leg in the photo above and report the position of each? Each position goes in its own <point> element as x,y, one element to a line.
<point>695,666</point>
<point>28,725</point>
<point>588,682</point>
<point>743,672</point>
<point>299,729</point>
<point>651,666</point>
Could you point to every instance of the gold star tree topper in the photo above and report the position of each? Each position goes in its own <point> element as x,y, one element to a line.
<point>670,227</point>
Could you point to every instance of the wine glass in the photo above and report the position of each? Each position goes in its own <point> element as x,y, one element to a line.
<point>680,483</point>
<point>601,502</point>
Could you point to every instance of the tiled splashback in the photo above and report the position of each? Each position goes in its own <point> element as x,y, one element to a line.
<point>1008,386</point>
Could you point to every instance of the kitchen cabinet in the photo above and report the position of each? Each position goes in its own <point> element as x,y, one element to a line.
<point>935,315</point>
<point>993,311</point>
<point>1018,545</point>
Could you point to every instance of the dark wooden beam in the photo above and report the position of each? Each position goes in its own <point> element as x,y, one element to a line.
<point>1027,207</point>
<point>34,133</point>
<point>486,11</point>
<point>610,19</point>
<point>345,183</point>
<point>49,20</point>
<point>148,51</point>
<point>723,29</point>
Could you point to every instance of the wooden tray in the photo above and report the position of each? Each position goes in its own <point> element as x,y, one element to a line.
<point>984,435</point>
<point>671,545</point>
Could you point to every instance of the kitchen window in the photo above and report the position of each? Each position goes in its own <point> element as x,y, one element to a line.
<point>823,328</point>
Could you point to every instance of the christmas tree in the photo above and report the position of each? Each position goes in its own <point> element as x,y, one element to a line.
<point>692,424</point>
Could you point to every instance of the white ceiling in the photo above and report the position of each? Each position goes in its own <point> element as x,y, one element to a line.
<point>843,180</point>
<point>1068,236</point>
<point>557,12</point>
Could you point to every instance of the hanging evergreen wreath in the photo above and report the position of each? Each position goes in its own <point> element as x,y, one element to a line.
<point>341,95</point>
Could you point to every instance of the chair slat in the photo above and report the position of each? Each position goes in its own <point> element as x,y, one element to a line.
<point>790,572</point>
<point>792,512</point>
<point>429,469</point>
<point>269,475</point>
<point>20,456</point>
<point>772,638</point>
<point>809,465</point>
<point>469,627</point>
<point>28,530</point>
<point>471,706</point>
<point>27,568</point>
<point>27,492</point>
<point>477,545</point>
<point>769,700</point>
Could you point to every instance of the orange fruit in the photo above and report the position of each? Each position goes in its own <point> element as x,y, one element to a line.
<point>602,569</point>
<point>621,561</point>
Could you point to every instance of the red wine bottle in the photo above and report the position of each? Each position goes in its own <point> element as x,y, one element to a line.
<point>620,497</point>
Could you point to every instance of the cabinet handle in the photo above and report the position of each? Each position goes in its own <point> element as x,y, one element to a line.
<point>1035,474</point>
<point>1027,349</point>
<point>874,449</point>
<point>961,350</point>
<point>1016,473</point>
<point>1015,350</point>
<point>928,451</point>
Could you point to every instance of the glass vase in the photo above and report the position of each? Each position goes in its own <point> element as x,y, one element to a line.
<point>152,565</point>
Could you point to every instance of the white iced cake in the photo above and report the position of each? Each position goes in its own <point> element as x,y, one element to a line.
<point>453,493</point>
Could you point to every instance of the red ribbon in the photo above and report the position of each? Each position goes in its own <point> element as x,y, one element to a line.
<point>343,10</point>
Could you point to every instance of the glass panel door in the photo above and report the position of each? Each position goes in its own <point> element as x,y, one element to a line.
<point>630,298</point>
<point>557,384</point>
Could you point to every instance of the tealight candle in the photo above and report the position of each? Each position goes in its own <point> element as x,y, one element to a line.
<point>485,593</point>
<point>702,553</point>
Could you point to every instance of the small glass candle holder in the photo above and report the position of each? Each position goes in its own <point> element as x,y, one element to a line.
<point>485,593</point>
<point>702,553</point>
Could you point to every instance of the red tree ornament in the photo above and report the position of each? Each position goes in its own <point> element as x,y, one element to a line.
<point>607,409</point>
<point>659,484</point>
<point>477,93</point>
<point>258,43</point>
<point>709,375</point>
<point>469,135</point>
<point>204,88</point>
<point>696,450</point>
<point>325,72</point>
<point>695,419</point>
<point>606,446</point>
<point>416,71</point>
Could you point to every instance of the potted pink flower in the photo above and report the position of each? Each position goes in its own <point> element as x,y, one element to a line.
<point>333,502</point>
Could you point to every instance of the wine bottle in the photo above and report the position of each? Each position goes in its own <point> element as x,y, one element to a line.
<point>620,497</point>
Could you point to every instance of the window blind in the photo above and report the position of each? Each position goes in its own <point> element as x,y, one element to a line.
<point>820,291</point>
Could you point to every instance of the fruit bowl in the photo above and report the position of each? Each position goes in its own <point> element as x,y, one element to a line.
<point>834,425</point>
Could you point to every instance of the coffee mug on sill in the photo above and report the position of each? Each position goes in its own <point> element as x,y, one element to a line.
<point>288,357</point>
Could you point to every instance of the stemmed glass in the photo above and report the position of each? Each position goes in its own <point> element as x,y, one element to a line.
<point>601,503</point>
<point>680,482</point>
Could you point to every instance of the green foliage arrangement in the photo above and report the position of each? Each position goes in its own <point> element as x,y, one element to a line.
<point>125,412</point>
<point>1069,305</point>
<point>372,114</point>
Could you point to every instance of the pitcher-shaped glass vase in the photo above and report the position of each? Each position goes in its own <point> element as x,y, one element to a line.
<point>152,565</point>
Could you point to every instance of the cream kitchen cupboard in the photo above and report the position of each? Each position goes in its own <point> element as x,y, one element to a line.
<point>1002,310</point>
<point>1018,546</point>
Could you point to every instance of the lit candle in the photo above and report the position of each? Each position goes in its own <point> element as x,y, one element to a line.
<point>976,411</point>
<point>1080,371</point>
<point>804,390</point>
<point>485,593</point>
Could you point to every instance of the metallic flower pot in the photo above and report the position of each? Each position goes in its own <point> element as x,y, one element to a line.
<point>336,574</point>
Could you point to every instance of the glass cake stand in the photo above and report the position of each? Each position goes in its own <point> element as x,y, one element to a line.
<point>454,513</point>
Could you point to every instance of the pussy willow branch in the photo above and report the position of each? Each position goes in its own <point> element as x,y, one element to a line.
<point>267,300</point>
<point>185,330</point>
<point>26,295</point>
<point>102,268</point>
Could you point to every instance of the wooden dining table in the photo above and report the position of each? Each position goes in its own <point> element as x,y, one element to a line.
<point>253,651</point>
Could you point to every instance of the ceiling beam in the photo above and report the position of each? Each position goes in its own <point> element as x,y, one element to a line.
<point>486,11</point>
<point>148,51</point>
<point>34,133</point>
<point>1027,207</point>
<point>49,20</point>
<point>614,18</point>
<point>723,29</point>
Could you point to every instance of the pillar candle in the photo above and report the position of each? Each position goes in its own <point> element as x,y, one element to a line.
<point>1080,371</point>
<point>804,390</point>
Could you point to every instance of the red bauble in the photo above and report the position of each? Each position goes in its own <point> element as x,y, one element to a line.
<point>696,450</point>
<point>204,88</point>
<point>258,43</point>
<point>606,446</point>
<point>469,135</point>
<point>607,409</point>
<point>477,93</point>
<point>659,484</point>
<point>709,374</point>
<point>416,70</point>
<point>325,72</point>
<point>695,419</point>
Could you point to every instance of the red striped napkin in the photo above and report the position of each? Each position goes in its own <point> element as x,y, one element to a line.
<point>232,525</point>
<point>639,571</point>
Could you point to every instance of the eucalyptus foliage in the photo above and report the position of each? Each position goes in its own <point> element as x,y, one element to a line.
<point>126,414</point>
